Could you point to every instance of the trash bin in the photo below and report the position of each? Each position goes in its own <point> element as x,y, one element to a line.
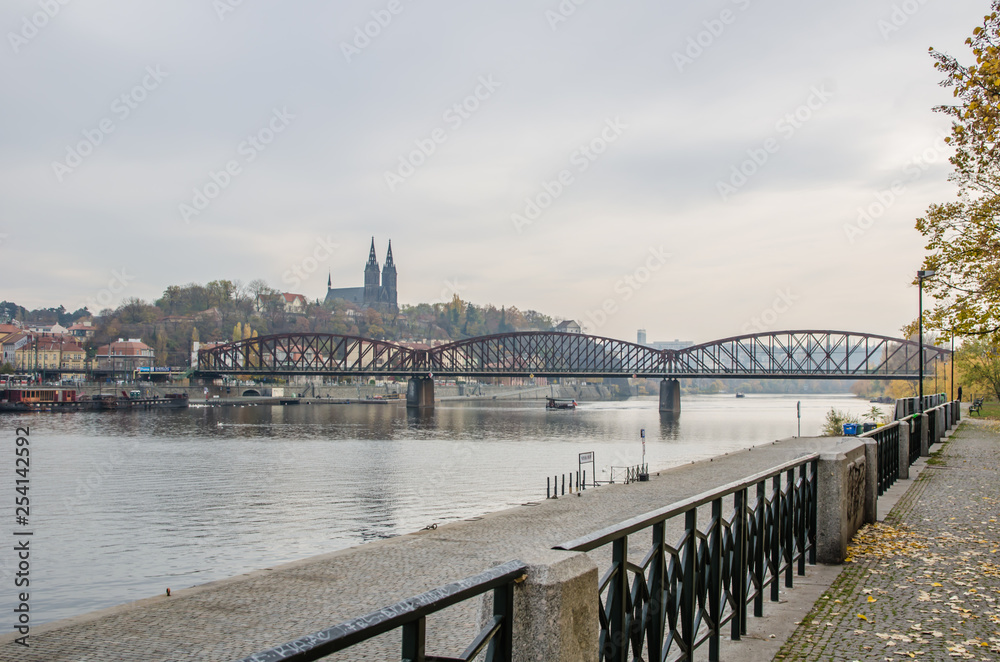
<point>868,427</point>
<point>850,429</point>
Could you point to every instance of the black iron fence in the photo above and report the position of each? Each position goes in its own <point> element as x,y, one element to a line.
<point>411,615</point>
<point>887,440</point>
<point>678,597</point>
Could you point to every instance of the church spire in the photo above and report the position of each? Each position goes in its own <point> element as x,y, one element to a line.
<point>372,260</point>
<point>329,280</point>
<point>388,256</point>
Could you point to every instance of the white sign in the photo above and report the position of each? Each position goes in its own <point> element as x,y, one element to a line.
<point>586,457</point>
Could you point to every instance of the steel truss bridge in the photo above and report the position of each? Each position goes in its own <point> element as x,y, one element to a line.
<point>777,355</point>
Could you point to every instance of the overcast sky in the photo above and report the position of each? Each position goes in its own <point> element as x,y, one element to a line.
<point>695,169</point>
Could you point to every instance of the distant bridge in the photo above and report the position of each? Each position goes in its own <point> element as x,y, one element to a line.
<point>777,354</point>
<point>774,355</point>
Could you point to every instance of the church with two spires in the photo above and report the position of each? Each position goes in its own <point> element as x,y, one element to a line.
<point>379,291</point>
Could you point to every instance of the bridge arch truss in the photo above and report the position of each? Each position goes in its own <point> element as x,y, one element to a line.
<point>810,354</point>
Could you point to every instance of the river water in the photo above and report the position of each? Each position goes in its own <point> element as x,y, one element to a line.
<point>124,505</point>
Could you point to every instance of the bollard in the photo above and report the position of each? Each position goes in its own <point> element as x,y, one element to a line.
<point>584,479</point>
<point>564,485</point>
<point>548,488</point>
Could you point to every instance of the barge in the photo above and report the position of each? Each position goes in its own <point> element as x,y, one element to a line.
<point>67,399</point>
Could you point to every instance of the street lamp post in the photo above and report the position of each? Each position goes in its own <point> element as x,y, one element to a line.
<point>921,275</point>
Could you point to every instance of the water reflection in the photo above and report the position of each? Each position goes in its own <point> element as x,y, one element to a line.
<point>132,502</point>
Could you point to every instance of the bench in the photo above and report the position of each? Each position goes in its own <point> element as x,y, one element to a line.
<point>976,407</point>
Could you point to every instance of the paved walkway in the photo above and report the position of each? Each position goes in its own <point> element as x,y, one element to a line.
<point>233,618</point>
<point>924,584</point>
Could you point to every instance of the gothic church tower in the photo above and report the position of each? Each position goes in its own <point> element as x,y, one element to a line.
<point>372,285</point>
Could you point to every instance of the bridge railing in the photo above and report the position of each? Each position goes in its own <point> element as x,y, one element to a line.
<point>681,596</point>
<point>411,615</point>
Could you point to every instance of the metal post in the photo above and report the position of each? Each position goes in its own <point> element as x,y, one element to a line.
<point>759,560</point>
<point>688,598</point>
<point>715,588</point>
<point>775,537</point>
<point>548,487</point>
<point>501,647</point>
<point>788,528</point>
<point>584,479</point>
<point>564,485</point>
<point>738,574</point>
<point>657,594</point>
<point>617,642</point>
<point>813,508</point>
<point>414,638</point>
<point>920,279</point>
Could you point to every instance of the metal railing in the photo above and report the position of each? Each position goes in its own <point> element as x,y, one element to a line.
<point>681,596</point>
<point>411,615</point>
<point>628,474</point>
<point>887,440</point>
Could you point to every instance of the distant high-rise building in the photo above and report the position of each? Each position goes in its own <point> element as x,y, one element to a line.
<point>379,291</point>
<point>641,337</point>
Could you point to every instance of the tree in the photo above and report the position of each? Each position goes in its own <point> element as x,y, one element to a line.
<point>963,236</point>
<point>979,362</point>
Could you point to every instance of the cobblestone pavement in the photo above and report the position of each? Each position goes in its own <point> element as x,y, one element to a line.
<point>233,618</point>
<point>925,584</point>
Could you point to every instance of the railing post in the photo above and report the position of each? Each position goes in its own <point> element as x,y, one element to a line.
<point>924,435</point>
<point>715,588</point>
<point>760,560</point>
<point>501,647</point>
<point>414,639</point>
<point>788,528</point>
<point>657,612</point>
<point>802,513</point>
<point>688,598</point>
<point>617,643</point>
<point>738,572</point>
<point>775,538</point>
<point>813,510</point>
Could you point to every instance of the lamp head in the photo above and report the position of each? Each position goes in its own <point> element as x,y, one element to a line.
<point>925,273</point>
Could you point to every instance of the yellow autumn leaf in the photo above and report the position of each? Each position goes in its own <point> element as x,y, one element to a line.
<point>862,617</point>
<point>937,584</point>
<point>871,599</point>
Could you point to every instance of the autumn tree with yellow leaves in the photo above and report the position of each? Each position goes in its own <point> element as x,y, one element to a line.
<point>963,236</point>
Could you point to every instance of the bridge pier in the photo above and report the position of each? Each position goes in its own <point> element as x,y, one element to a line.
<point>670,396</point>
<point>420,392</point>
